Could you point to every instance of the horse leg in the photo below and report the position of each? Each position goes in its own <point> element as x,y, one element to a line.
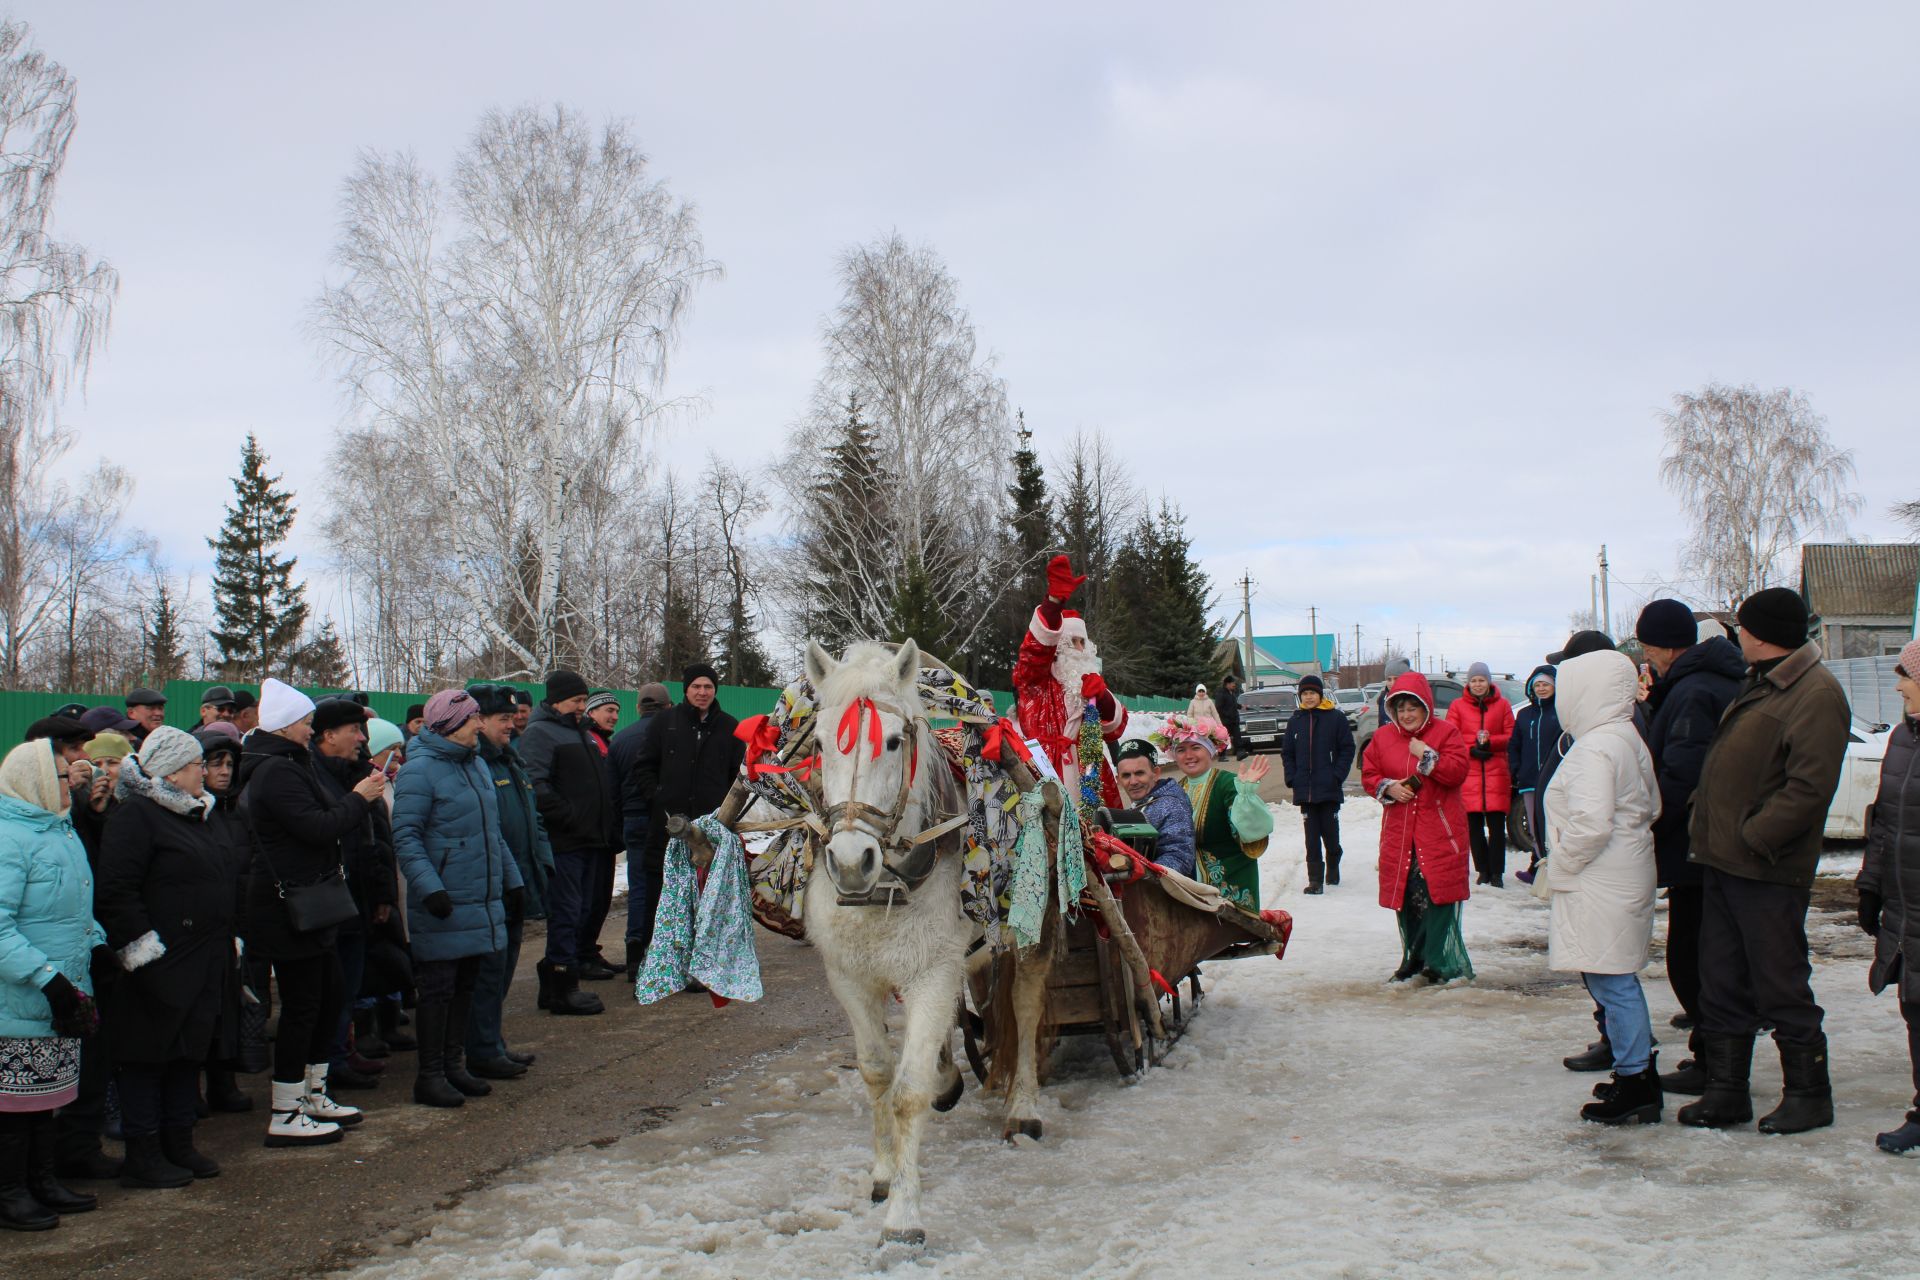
<point>1029,1007</point>
<point>867,1012</point>
<point>949,1072</point>
<point>929,1029</point>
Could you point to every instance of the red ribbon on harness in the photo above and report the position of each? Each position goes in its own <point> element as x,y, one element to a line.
<point>1002,737</point>
<point>849,735</point>
<point>761,736</point>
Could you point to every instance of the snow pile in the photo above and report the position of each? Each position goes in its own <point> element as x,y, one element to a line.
<point>1314,1120</point>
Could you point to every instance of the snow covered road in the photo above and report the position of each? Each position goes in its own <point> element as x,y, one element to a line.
<point>1315,1121</point>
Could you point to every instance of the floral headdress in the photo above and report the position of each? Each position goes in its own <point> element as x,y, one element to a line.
<point>1205,730</point>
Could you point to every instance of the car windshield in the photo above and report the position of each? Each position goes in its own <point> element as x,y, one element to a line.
<point>1268,700</point>
<point>1349,697</point>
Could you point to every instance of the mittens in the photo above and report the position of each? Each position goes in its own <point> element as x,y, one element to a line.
<point>1092,685</point>
<point>1062,581</point>
<point>438,904</point>
<point>1870,905</point>
<point>74,1015</point>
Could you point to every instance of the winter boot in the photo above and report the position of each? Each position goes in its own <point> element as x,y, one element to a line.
<point>148,1167</point>
<point>367,1040</point>
<point>454,1058</point>
<point>43,1139</point>
<point>500,1068</point>
<point>543,972</point>
<point>1807,1097</point>
<point>1727,1099</point>
<point>1333,868</point>
<point>1316,876</point>
<point>430,1087</point>
<point>636,959</point>
<point>1691,1075</point>
<point>223,1091</point>
<point>387,1016</point>
<point>1597,1057</point>
<point>1315,887</point>
<point>317,1104</point>
<point>364,1065</point>
<point>1904,1141</point>
<point>523,1059</point>
<point>289,1125</point>
<point>177,1146</point>
<point>593,967</point>
<point>566,997</point>
<point>1633,1099</point>
<point>19,1210</point>
<point>343,1075</point>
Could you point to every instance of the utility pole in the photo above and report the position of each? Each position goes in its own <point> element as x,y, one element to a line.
<point>1416,649</point>
<point>1356,649</point>
<point>1593,590</point>
<point>1606,601</point>
<point>1313,627</point>
<point>1246,624</point>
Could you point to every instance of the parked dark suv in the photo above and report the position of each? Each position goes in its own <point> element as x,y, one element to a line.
<point>1264,714</point>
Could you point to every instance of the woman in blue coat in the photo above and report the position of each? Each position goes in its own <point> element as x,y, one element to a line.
<point>462,883</point>
<point>1532,748</point>
<point>47,940</point>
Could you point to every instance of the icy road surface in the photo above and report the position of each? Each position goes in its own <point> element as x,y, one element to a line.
<point>1314,1122</point>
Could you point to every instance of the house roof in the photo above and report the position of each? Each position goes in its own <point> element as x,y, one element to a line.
<point>1276,654</point>
<point>1856,579</point>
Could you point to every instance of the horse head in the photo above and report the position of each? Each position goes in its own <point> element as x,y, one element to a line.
<point>872,730</point>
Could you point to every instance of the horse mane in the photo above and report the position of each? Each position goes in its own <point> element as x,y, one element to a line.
<point>865,665</point>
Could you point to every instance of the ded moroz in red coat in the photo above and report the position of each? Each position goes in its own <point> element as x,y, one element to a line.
<point>1041,704</point>
<point>1489,786</point>
<point>1435,823</point>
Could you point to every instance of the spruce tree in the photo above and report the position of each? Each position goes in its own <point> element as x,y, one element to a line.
<point>322,660</point>
<point>850,523</point>
<point>743,660</point>
<point>1177,639</point>
<point>165,654</point>
<point>260,612</point>
<point>1027,543</point>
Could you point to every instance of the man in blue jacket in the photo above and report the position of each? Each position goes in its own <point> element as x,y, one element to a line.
<point>1316,753</point>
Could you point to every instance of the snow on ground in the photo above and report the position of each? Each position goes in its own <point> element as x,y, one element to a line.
<point>1314,1120</point>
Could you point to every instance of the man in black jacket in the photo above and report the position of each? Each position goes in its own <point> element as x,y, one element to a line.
<point>1694,680</point>
<point>1228,704</point>
<point>579,802</point>
<point>626,747</point>
<point>686,767</point>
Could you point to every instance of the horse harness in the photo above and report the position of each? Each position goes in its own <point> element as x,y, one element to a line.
<point>905,862</point>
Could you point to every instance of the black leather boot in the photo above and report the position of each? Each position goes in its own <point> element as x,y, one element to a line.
<point>1691,1075</point>
<point>1333,867</point>
<point>454,1056</point>
<point>430,1087</point>
<point>19,1211</point>
<point>1634,1099</point>
<point>566,997</point>
<point>367,1040</point>
<point>636,959</point>
<point>177,1146</point>
<point>1598,1056</point>
<point>147,1168</point>
<point>1807,1101</point>
<point>386,1016</point>
<point>1727,1099</point>
<point>543,973</point>
<point>223,1091</point>
<point>42,1147</point>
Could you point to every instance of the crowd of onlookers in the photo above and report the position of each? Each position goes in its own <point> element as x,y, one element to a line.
<point>164,891</point>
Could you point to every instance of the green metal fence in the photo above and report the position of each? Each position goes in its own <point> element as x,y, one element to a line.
<point>20,709</point>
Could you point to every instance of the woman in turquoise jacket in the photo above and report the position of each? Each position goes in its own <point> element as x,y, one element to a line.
<point>47,938</point>
<point>462,883</point>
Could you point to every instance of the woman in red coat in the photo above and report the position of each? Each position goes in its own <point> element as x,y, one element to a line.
<point>1414,766</point>
<point>1485,721</point>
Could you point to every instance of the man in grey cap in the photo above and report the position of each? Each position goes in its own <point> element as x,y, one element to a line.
<point>216,703</point>
<point>148,709</point>
<point>642,891</point>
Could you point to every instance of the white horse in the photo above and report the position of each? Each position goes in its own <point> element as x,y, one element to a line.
<point>886,915</point>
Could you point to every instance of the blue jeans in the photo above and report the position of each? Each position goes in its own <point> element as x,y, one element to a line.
<point>1629,1028</point>
<point>569,899</point>
<point>643,886</point>
<point>485,1037</point>
<point>352,950</point>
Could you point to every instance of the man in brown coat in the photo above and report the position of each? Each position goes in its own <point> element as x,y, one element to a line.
<point>1758,815</point>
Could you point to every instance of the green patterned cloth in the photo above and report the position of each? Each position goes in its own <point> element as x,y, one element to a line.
<point>1430,937</point>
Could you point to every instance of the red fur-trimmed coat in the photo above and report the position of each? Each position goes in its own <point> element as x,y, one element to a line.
<point>1435,822</point>
<point>1042,709</point>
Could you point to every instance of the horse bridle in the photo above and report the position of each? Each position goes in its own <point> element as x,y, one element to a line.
<point>905,863</point>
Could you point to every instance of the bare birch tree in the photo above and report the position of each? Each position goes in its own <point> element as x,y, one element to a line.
<point>55,304</point>
<point>1756,472</point>
<point>511,330</point>
<point>912,547</point>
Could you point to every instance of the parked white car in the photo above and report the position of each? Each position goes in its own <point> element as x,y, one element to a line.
<point>1851,811</point>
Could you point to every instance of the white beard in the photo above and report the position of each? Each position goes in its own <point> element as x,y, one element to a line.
<point>1069,664</point>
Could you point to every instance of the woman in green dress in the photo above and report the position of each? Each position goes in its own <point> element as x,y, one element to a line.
<point>1231,823</point>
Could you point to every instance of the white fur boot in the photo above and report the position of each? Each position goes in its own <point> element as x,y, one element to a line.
<point>318,1105</point>
<point>288,1125</point>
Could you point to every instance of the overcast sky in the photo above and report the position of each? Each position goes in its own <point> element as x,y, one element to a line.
<point>1386,297</point>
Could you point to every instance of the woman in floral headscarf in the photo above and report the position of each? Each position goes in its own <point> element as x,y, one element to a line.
<point>1231,823</point>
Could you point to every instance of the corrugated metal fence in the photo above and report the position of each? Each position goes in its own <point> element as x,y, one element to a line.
<point>18,709</point>
<point>1869,684</point>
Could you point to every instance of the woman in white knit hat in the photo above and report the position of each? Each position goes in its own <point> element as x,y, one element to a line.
<point>296,824</point>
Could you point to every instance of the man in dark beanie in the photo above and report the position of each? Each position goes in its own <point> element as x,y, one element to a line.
<point>1693,681</point>
<point>579,802</point>
<point>686,766</point>
<point>415,721</point>
<point>626,747</point>
<point>522,711</point>
<point>1758,816</point>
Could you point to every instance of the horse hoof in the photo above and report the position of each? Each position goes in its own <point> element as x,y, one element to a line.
<point>951,1098</point>
<point>1024,1128</point>
<point>881,1190</point>
<point>912,1237</point>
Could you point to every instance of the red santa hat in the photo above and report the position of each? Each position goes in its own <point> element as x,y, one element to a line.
<point>1072,625</point>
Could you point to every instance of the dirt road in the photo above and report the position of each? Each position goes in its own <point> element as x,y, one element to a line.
<point>296,1213</point>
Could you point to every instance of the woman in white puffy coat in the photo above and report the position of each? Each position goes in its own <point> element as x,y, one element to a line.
<point>1600,809</point>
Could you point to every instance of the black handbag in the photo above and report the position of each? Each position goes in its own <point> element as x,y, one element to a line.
<point>317,904</point>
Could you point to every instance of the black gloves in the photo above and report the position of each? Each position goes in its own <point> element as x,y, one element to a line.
<point>1870,904</point>
<point>516,903</point>
<point>73,1013</point>
<point>104,965</point>
<point>438,904</point>
<point>1480,751</point>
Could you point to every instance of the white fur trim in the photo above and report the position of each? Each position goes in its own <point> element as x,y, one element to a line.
<point>1071,627</point>
<point>1039,630</point>
<point>143,950</point>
